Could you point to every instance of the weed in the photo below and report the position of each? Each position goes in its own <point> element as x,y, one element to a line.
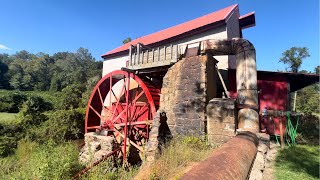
<point>180,153</point>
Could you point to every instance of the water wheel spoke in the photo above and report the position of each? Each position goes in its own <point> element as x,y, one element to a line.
<point>110,89</point>
<point>134,109</point>
<point>135,123</point>
<point>137,97</point>
<point>141,113</point>
<point>143,134</point>
<point>118,102</point>
<point>125,86</point>
<point>119,116</point>
<point>98,114</point>
<point>101,99</point>
<point>136,114</point>
<point>131,142</point>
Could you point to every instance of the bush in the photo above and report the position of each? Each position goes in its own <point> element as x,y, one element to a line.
<point>308,128</point>
<point>61,125</point>
<point>11,101</point>
<point>31,113</point>
<point>7,145</point>
<point>9,135</point>
<point>45,161</point>
<point>70,97</point>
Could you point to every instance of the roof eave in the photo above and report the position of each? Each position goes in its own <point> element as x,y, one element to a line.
<point>172,39</point>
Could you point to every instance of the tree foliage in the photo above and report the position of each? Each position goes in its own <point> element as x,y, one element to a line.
<point>294,56</point>
<point>308,98</point>
<point>42,72</point>
<point>125,41</point>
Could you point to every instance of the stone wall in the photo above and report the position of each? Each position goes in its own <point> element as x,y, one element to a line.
<point>96,147</point>
<point>187,87</point>
<point>259,164</point>
<point>221,120</point>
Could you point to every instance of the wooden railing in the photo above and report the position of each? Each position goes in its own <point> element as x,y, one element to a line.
<point>142,57</point>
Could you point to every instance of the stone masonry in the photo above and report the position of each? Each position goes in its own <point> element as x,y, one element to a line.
<point>187,87</point>
<point>159,135</point>
<point>96,147</point>
<point>221,120</point>
<point>259,164</point>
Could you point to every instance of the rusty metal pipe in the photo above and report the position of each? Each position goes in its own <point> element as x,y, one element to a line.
<point>232,160</point>
<point>246,77</point>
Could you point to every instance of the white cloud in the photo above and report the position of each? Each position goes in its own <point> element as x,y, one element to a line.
<point>3,47</point>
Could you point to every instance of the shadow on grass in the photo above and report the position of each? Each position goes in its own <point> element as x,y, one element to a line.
<point>300,158</point>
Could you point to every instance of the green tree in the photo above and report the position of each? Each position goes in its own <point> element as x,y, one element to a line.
<point>4,81</point>
<point>125,41</point>
<point>308,97</point>
<point>293,57</point>
<point>24,55</point>
<point>71,97</point>
<point>42,70</point>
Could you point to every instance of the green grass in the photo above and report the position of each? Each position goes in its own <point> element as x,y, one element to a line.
<point>298,162</point>
<point>181,153</point>
<point>41,161</point>
<point>8,118</point>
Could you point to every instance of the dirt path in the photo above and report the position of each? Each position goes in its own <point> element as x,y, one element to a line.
<point>269,172</point>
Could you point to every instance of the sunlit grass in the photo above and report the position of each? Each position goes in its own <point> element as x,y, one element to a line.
<point>182,152</point>
<point>298,162</point>
<point>8,118</point>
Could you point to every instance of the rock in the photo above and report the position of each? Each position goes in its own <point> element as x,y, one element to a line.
<point>95,148</point>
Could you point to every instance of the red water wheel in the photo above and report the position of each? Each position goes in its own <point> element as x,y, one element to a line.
<point>122,107</point>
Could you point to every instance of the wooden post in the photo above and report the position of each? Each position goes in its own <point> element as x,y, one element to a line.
<point>164,52</point>
<point>171,50</point>
<point>294,100</point>
<point>138,53</point>
<point>281,133</point>
<point>158,54</point>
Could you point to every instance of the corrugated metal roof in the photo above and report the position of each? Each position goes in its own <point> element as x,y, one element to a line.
<point>177,30</point>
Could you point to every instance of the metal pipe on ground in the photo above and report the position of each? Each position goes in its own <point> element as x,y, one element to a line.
<point>246,77</point>
<point>233,160</point>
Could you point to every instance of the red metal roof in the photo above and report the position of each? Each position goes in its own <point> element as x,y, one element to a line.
<point>177,30</point>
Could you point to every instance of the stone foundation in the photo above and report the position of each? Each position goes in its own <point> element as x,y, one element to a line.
<point>95,148</point>
<point>221,120</point>
<point>187,87</point>
<point>159,135</point>
<point>259,163</point>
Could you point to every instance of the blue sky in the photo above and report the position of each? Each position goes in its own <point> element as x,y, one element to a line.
<point>65,25</point>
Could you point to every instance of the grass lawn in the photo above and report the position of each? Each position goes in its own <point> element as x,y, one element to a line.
<point>298,162</point>
<point>7,118</point>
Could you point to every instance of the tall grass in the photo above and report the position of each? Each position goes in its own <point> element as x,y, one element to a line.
<point>180,153</point>
<point>106,170</point>
<point>41,161</point>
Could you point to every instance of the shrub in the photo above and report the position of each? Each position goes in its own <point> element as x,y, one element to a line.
<point>9,135</point>
<point>70,97</point>
<point>45,161</point>
<point>31,113</point>
<point>7,145</point>
<point>308,127</point>
<point>61,125</point>
<point>11,101</point>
